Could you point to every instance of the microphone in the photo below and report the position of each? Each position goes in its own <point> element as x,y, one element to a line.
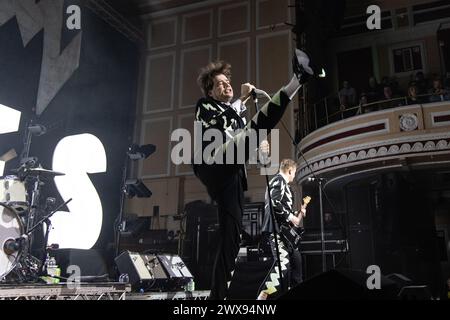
<point>253,93</point>
<point>258,92</point>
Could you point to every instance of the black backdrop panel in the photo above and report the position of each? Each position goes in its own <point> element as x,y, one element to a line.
<point>98,98</point>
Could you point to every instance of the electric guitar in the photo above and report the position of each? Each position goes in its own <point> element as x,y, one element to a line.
<point>290,232</point>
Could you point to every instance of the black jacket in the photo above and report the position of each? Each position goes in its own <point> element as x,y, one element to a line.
<point>213,114</point>
<point>282,203</point>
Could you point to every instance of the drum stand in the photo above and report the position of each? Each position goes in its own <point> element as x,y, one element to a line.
<point>28,266</point>
<point>33,206</point>
<point>46,220</point>
<point>31,268</point>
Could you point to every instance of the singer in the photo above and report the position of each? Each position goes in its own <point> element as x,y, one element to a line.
<point>226,183</point>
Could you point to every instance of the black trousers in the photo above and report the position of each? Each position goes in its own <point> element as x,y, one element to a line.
<point>291,263</point>
<point>225,186</point>
<point>296,276</point>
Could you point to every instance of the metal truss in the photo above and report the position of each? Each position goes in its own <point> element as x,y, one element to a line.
<point>81,291</point>
<point>181,295</point>
<point>115,19</point>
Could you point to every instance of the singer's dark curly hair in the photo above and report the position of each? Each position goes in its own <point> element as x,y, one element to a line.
<point>207,74</point>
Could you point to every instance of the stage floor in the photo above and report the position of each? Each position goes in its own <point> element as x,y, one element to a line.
<point>90,291</point>
<point>65,291</point>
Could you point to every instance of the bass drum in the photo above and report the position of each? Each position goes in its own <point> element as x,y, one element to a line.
<point>11,228</point>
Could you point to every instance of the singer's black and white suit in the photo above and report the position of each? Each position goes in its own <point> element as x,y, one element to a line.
<point>226,183</point>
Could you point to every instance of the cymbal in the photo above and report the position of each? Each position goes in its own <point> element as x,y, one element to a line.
<point>44,172</point>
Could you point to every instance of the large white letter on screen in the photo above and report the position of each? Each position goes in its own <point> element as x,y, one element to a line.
<point>76,156</point>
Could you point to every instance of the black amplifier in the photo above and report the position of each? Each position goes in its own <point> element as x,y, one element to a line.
<point>331,246</point>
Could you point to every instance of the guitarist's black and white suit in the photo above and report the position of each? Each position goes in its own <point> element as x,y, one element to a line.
<point>282,202</point>
<point>290,257</point>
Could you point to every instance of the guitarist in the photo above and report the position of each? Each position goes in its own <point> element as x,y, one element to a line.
<point>290,257</point>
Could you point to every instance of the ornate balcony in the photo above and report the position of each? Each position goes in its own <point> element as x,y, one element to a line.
<point>413,136</point>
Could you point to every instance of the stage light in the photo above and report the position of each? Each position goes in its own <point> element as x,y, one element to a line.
<point>37,130</point>
<point>136,188</point>
<point>132,187</point>
<point>9,122</point>
<point>8,156</point>
<point>137,152</point>
<point>9,119</point>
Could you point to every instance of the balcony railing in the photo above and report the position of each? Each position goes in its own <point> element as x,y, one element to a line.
<point>326,111</point>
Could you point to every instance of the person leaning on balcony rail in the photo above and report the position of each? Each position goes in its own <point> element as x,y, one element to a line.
<point>437,93</point>
<point>413,97</point>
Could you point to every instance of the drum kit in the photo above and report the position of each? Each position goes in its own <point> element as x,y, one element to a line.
<point>20,216</point>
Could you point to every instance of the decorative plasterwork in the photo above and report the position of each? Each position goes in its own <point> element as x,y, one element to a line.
<point>408,122</point>
<point>353,157</point>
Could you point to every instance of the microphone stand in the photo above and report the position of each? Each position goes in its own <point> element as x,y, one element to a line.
<point>272,214</point>
<point>322,230</point>
<point>119,223</point>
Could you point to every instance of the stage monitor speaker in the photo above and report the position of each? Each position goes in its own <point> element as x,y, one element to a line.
<point>141,270</point>
<point>153,272</point>
<point>341,285</point>
<point>400,280</point>
<point>415,293</point>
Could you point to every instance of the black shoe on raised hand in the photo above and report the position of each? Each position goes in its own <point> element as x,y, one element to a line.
<point>301,68</point>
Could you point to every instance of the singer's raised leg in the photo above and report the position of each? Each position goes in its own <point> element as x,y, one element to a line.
<point>272,112</point>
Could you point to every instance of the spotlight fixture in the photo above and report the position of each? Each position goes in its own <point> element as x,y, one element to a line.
<point>136,188</point>
<point>136,152</point>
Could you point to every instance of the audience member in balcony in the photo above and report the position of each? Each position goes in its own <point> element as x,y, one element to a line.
<point>412,97</point>
<point>392,100</point>
<point>387,93</point>
<point>347,95</point>
<point>437,93</point>
<point>373,91</point>
<point>347,99</point>
<point>421,83</point>
<point>397,90</point>
<point>363,103</point>
<point>393,84</point>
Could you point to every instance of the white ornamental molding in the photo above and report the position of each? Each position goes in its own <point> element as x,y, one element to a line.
<point>391,146</point>
<point>373,153</point>
<point>409,122</point>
